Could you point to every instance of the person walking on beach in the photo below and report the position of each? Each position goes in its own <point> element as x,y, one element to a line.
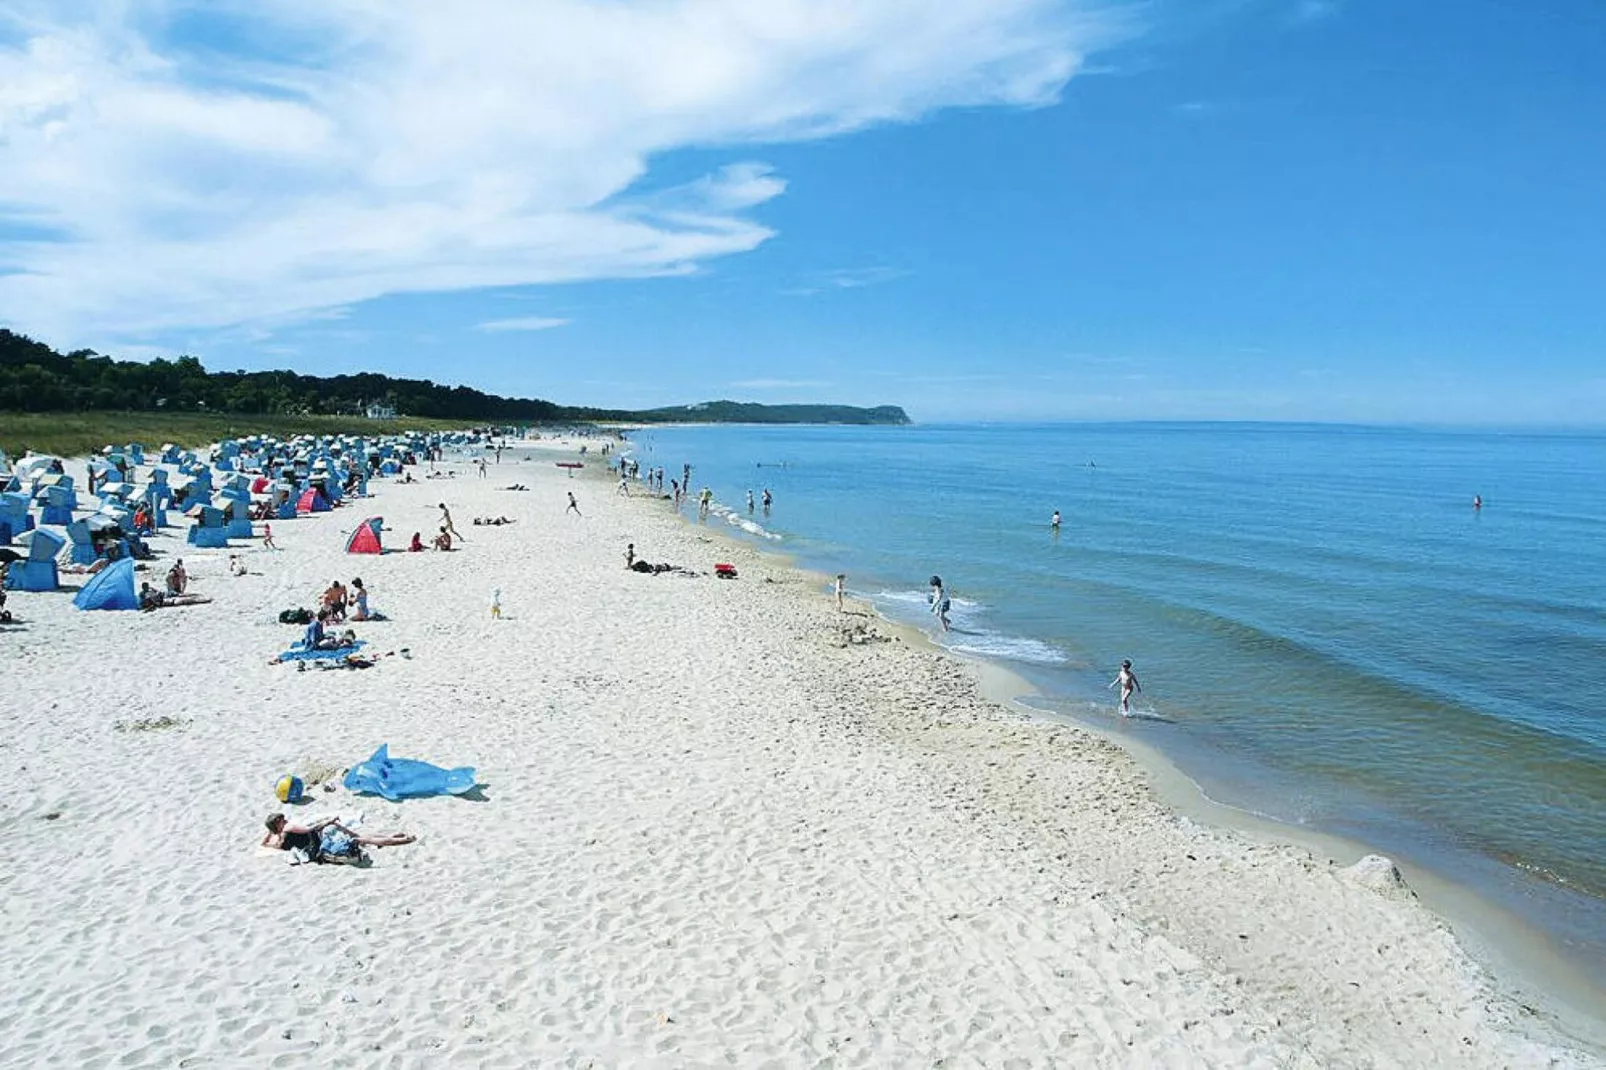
<point>1128,681</point>
<point>939,601</point>
<point>624,483</point>
<point>841,578</point>
<point>630,554</point>
<point>267,537</point>
<point>447,525</point>
<point>574,506</point>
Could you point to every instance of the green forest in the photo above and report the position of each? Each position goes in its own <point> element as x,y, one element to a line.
<point>35,378</point>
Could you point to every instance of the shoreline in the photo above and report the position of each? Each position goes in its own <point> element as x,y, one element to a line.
<point>1516,954</point>
<point>709,831</point>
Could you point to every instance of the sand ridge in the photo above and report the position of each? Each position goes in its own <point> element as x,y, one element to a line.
<point>710,833</point>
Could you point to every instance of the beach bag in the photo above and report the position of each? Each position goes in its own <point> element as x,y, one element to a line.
<point>296,616</point>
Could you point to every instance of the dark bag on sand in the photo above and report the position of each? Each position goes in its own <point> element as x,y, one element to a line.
<point>296,616</point>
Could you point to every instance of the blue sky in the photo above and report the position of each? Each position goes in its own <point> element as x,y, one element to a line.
<point>996,209</point>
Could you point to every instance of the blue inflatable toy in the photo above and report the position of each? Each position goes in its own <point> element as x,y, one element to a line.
<point>403,778</point>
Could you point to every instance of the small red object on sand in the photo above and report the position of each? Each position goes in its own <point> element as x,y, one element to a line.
<point>725,571</point>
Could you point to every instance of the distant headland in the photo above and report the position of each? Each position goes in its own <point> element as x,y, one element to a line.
<point>34,378</point>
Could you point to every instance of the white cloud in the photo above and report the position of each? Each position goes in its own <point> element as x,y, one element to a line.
<point>373,148</point>
<point>523,323</point>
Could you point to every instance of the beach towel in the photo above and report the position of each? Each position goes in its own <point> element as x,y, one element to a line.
<point>300,653</point>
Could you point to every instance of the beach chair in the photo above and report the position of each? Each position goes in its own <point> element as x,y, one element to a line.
<point>14,516</point>
<point>207,530</point>
<point>36,572</point>
<point>93,537</point>
<point>55,505</point>
<point>236,516</point>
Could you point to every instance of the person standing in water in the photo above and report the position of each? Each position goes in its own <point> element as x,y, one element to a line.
<point>1054,521</point>
<point>939,601</point>
<point>767,500</point>
<point>749,503</point>
<point>1477,502</point>
<point>1128,681</point>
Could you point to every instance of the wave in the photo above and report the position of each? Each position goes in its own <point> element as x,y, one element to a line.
<point>742,523</point>
<point>1011,647</point>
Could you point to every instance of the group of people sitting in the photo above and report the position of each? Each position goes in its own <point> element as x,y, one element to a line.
<point>443,541</point>
<point>337,602</point>
<point>318,637</point>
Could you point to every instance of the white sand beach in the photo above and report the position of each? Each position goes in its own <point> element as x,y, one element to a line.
<point>711,832</point>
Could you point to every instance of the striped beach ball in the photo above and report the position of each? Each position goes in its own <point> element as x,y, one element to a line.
<point>289,789</point>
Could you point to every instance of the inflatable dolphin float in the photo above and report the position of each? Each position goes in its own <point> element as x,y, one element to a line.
<point>404,778</point>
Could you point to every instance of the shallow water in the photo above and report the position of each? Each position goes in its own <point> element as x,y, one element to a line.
<point>1326,631</point>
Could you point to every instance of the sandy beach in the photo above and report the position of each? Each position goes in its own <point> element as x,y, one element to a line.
<point>720,824</point>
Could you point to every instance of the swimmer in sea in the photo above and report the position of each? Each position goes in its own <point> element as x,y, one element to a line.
<point>1129,683</point>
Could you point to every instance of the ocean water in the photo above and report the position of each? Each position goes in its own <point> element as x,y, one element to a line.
<point>1326,631</point>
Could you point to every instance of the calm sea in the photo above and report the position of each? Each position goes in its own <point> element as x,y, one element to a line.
<point>1326,631</point>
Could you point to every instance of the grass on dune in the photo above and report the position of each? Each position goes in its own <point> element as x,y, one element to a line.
<point>75,434</point>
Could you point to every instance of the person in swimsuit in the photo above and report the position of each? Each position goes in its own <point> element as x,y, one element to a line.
<point>1128,680</point>
<point>327,840</point>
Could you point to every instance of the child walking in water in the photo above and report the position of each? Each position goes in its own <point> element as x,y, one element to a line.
<point>1129,683</point>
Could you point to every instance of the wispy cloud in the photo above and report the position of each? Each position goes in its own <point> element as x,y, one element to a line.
<point>845,279</point>
<point>522,323</point>
<point>173,181</point>
<point>778,384</point>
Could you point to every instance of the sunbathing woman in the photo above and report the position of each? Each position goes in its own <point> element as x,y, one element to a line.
<point>327,840</point>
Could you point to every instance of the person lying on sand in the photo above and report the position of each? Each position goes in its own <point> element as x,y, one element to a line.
<point>653,570</point>
<point>491,521</point>
<point>516,486</point>
<point>151,599</point>
<point>327,840</point>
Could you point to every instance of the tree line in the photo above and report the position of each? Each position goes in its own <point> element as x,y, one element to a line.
<point>36,378</point>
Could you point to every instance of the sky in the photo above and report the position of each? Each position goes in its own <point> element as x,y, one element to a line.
<point>1333,210</point>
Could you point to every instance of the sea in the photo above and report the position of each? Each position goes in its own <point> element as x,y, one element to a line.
<point>1327,632</point>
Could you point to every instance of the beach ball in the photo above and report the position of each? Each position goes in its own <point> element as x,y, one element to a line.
<point>289,789</point>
